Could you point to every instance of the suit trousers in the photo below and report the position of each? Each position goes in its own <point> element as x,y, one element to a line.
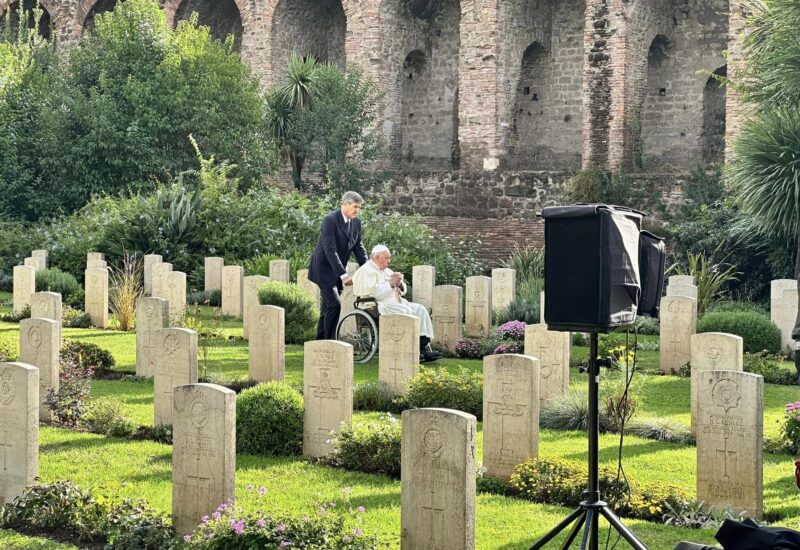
<point>329,316</point>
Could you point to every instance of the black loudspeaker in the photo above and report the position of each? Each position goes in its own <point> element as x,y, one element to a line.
<point>591,267</point>
<point>652,260</point>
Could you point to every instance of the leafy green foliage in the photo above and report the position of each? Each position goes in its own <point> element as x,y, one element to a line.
<point>437,387</point>
<point>768,367</point>
<point>372,447</point>
<point>300,312</point>
<point>55,280</point>
<point>87,355</point>
<point>373,396</point>
<point>758,332</point>
<point>711,277</point>
<point>68,403</point>
<point>269,420</point>
<point>661,429</point>
<point>205,298</point>
<point>107,417</point>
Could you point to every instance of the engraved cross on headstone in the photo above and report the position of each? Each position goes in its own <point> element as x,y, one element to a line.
<point>435,511</point>
<point>545,361</point>
<point>506,408</point>
<point>197,482</point>
<point>5,445</point>
<point>724,454</point>
<point>446,316</point>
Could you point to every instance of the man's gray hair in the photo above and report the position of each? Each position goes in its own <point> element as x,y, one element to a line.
<point>350,197</point>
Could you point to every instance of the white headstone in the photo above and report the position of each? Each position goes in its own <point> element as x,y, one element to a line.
<point>267,348</point>
<point>504,287</point>
<point>24,286</point>
<point>447,316</point>
<point>176,294</point>
<point>96,264</point>
<point>19,429</point>
<point>309,287</point>
<point>510,412</point>
<point>682,280</point>
<point>730,439</point>
<point>478,308</point>
<point>232,283</point>
<point>776,288</point>
<point>149,261</point>
<point>398,360</point>
<point>678,323</point>
<point>424,279</point>
<point>36,263</point>
<point>279,271</point>
<point>42,255</point>
<point>552,349</point>
<point>39,347</point>
<point>437,488</point>
<point>47,305</point>
<point>689,291</point>
<point>541,307</point>
<point>250,286</point>
<point>327,393</point>
<point>785,315</point>
<point>175,365</point>
<point>95,257</point>
<point>213,273</point>
<point>152,314</point>
<point>158,283</point>
<point>713,351</point>
<point>96,296</point>
<point>203,452</point>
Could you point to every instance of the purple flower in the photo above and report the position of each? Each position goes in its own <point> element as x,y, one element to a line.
<point>346,539</point>
<point>250,487</point>
<point>187,538</point>
<point>262,490</point>
<point>216,515</point>
<point>361,509</point>
<point>237,526</point>
<point>261,523</point>
<point>512,330</point>
<point>285,544</point>
<point>204,519</point>
<point>281,528</point>
<point>512,347</point>
<point>358,532</point>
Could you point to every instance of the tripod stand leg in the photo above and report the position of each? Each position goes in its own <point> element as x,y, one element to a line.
<point>589,531</point>
<point>626,533</point>
<point>560,527</point>
<point>574,533</point>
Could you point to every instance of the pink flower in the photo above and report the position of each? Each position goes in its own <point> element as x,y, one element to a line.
<point>187,538</point>
<point>262,490</point>
<point>216,515</point>
<point>281,527</point>
<point>261,523</point>
<point>346,539</point>
<point>237,526</point>
<point>285,544</point>
<point>204,519</point>
<point>361,509</point>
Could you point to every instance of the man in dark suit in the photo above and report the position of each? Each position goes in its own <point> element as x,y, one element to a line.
<point>339,237</point>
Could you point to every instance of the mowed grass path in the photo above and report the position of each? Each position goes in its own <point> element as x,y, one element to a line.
<point>143,469</point>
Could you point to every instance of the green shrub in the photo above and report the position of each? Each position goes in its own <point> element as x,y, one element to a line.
<point>76,299</point>
<point>75,318</point>
<point>12,317</point>
<point>758,332</point>
<point>269,420</point>
<point>648,326</point>
<point>737,306</point>
<point>661,429</point>
<point>205,298</point>
<point>55,280</point>
<point>525,305</point>
<point>301,314</point>
<point>579,339</point>
<point>769,367</point>
<point>86,354</point>
<point>6,283</point>
<point>373,396</point>
<point>372,447</point>
<point>107,417</point>
<point>68,403</point>
<point>555,481</point>
<point>462,391</point>
<point>81,515</point>
<point>571,412</point>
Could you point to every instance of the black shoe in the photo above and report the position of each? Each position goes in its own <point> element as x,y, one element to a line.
<point>431,356</point>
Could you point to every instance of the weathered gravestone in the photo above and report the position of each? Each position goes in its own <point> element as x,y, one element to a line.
<point>19,429</point>
<point>95,257</point>
<point>678,323</point>
<point>250,286</point>
<point>152,314</point>
<point>213,273</point>
<point>279,271</point>
<point>510,412</point>
<point>24,287</point>
<point>176,294</point>
<point>158,283</point>
<point>437,488</point>
<point>267,348</point>
<point>776,288</point>
<point>96,298</point>
<point>175,365</point>
<point>97,264</point>
<point>552,349</point>
<point>504,287</point>
<point>478,308</point>
<point>47,305</point>
<point>327,393</point>
<point>203,452</point>
<point>689,291</point>
<point>398,360</point>
<point>35,263</point>
<point>713,351</point>
<point>682,280</point>
<point>730,438</point>
<point>232,283</point>
<point>348,300</point>
<point>423,278</point>
<point>43,255</point>
<point>447,316</point>
<point>39,347</point>
<point>150,260</point>
<point>308,286</point>
<point>785,316</point>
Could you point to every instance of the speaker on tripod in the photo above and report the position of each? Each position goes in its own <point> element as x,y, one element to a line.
<point>600,270</point>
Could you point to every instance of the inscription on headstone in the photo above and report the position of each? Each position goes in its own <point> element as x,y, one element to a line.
<point>552,349</point>
<point>504,287</point>
<point>19,429</point>
<point>250,286</point>
<point>39,347</point>
<point>678,323</point>
<point>24,287</point>
<point>96,298</point>
<point>149,261</point>
<point>232,288</point>
<point>176,294</point>
<point>152,314</point>
<point>424,279</point>
<point>175,365</point>
<point>279,271</point>
<point>447,316</point>
<point>398,360</point>
<point>213,273</point>
<point>267,349</point>
<point>478,309</point>
<point>159,282</point>
<point>327,393</point>
<point>713,351</point>
<point>43,255</point>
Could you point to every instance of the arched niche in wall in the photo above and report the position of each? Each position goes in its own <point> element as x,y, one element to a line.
<point>314,28</point>
<point>45,23</point>
<point>714,116</point>
<point>221,16</point>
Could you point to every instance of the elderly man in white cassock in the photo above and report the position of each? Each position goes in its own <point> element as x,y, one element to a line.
<point>375,279</point>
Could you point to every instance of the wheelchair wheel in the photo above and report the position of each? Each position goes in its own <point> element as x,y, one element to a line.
<point>359,330</point>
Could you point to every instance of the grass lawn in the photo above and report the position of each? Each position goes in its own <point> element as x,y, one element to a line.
<point>142,469</point>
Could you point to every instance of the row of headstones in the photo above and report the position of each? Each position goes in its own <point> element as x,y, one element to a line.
<point>24,279</point>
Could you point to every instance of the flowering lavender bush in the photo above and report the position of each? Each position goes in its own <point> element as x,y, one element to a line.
<point>512,330</point>
<point>790,430</point>
<point>231,528</point>
<point>509,347</point>
<point>468,349</point>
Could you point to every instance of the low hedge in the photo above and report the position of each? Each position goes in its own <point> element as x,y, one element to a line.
<point>269,420</point>
<point>758,332</point>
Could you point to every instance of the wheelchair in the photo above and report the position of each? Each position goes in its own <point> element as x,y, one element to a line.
<point>359,328</point>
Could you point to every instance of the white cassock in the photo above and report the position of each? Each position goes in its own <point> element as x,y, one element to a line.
<point>371,281</point>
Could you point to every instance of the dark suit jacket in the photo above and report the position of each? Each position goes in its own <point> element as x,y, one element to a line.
<point>334,247</point>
